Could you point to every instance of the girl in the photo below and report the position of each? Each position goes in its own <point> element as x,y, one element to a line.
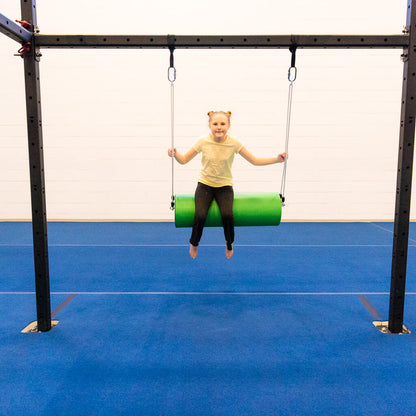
<point>215,179</point>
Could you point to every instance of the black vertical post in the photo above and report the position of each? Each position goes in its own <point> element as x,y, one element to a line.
<point>404,178</point>
<point>37,177</point>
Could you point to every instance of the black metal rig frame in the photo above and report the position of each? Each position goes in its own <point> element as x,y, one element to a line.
<point>31,41</point>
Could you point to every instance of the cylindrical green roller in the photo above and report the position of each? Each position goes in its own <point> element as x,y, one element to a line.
<point>249,210</point>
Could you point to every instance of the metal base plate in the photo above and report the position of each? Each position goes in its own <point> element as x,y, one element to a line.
<point>33,327</point>
<point>383,326</point>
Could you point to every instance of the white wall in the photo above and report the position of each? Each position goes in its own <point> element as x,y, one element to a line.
<point>106,113</point>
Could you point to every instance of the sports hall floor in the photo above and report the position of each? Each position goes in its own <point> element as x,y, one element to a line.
<point>283,328</point>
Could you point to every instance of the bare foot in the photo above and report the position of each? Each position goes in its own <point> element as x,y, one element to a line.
<point>193,251</point>
<point>229,253</point>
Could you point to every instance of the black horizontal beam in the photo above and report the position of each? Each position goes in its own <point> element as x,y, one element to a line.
<point>14,30</point>
<point>243,42</point>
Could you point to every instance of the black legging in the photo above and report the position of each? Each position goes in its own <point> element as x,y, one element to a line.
<point>204,195</point>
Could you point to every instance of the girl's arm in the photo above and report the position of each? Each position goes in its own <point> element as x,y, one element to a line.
<point>261,161</point>
<point>182,159</point>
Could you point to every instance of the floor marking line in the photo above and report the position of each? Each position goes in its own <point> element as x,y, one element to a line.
<point>62,305</point>
<point>392,232</point>
<point>72,293</point>
<point>235,293</point>
<point>373,311</point>
<point>240,293</point>
<point>381,228</point>
<point>205,245</point>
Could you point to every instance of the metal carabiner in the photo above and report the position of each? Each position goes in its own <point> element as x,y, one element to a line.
<point>292,73</point>
<point>172,74</point>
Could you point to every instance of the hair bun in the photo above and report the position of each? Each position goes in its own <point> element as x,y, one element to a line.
<point>211,114</point>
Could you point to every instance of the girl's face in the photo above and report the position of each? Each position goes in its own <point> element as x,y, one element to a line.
<point>219,125</point>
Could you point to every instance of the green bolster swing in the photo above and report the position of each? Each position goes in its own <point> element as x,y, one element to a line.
<point>251,209</point>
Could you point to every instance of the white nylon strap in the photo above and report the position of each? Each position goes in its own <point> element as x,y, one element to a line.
<point>172,78</point>
<point>172,140</point>
<point>292,77</point>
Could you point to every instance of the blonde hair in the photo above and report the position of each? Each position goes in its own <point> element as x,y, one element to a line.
<point>211,114</point>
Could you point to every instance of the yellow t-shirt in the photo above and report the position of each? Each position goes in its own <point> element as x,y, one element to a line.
<point>217,159</point>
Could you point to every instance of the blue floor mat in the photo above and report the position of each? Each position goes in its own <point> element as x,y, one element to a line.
<point>208,355</point>
<point>278,330</point>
